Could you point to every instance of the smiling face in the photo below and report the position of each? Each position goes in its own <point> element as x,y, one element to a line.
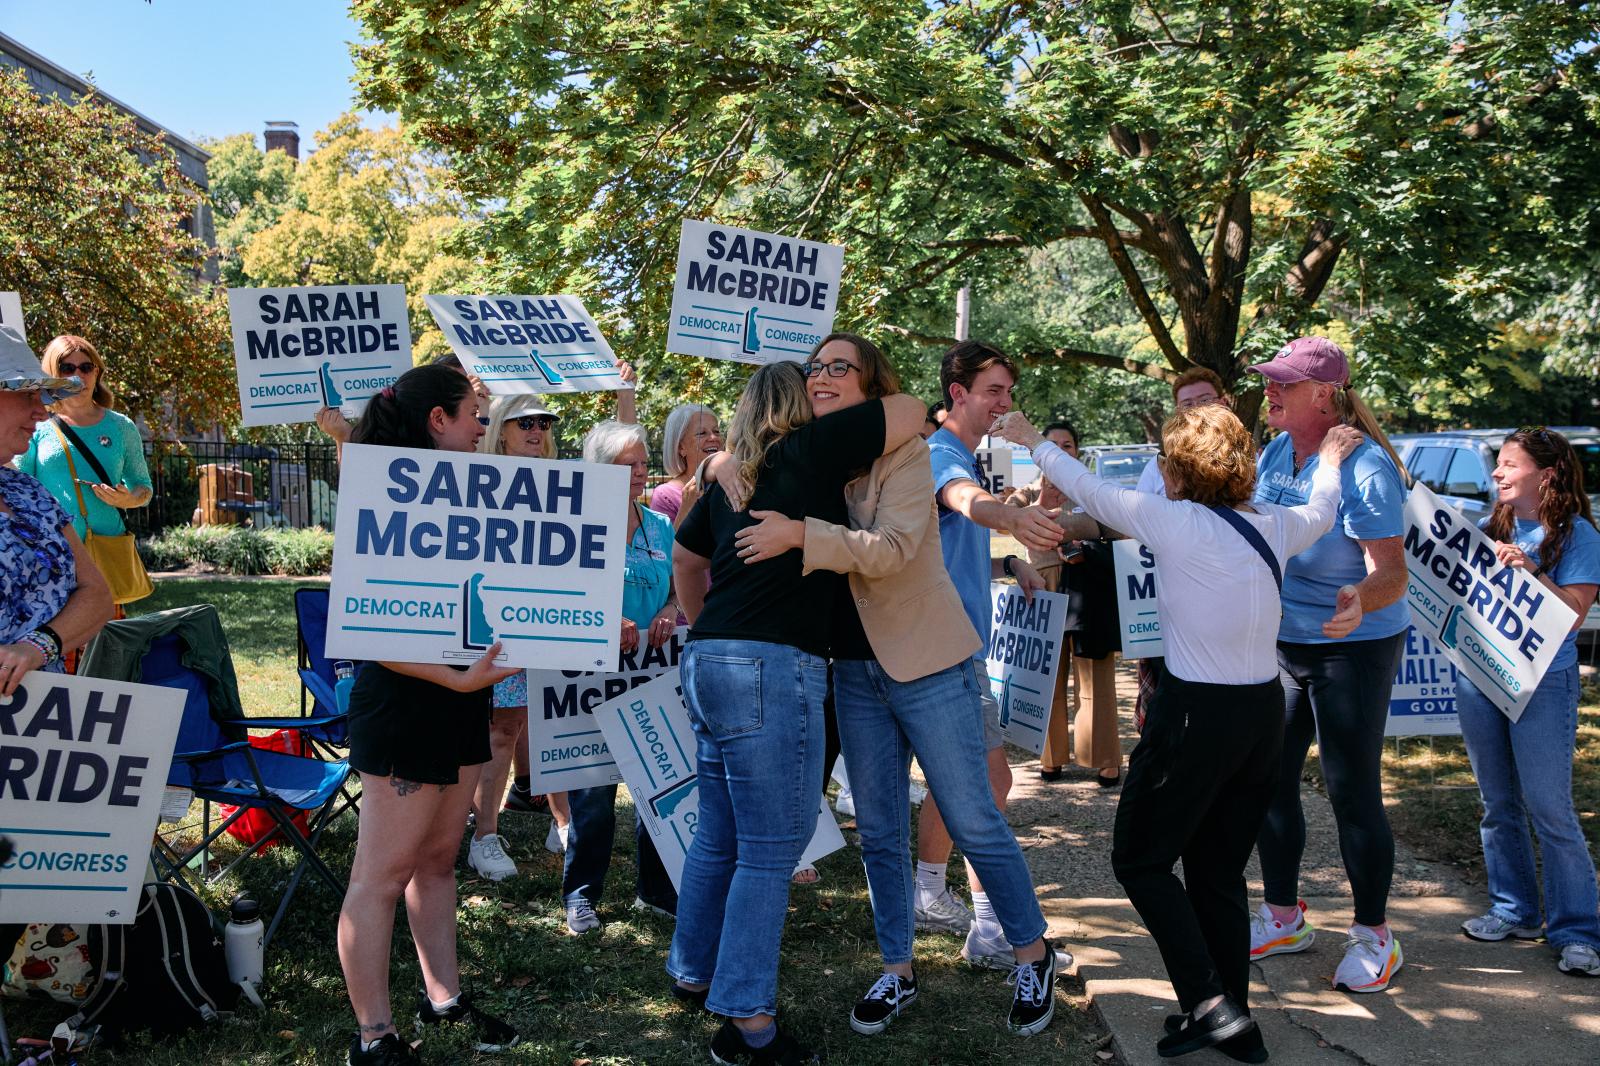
<point>701,437</point>
<point>987,399</point>
<point>1064,440</point>
<point>526,443</point>
<point>20,411</point>
<point>637,461</point>
<point>458,432</point>
<point>829,393</point>
<point>1519,480</point>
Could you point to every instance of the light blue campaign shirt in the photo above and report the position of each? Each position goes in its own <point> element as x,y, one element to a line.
<point>965,543</point>
<point>1371,507</point>
<point>1579,565</point>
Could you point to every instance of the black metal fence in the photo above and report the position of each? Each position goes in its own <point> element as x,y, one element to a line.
<point>293,485</point>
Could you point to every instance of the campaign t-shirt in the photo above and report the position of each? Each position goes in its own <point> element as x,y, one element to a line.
<point>803,475</point>
<point>1371,507</point>
<point>965,542</point>
<point>1579,565</point>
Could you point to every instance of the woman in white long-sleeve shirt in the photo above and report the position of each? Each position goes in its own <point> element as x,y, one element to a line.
<point>1200,780</point>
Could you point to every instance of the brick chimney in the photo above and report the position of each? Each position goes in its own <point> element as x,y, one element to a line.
<point>284,136</point>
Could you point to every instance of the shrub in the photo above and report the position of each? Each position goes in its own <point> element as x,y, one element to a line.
<point>240,550</point>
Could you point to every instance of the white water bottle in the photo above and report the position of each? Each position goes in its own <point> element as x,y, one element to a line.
<point>242,943</point>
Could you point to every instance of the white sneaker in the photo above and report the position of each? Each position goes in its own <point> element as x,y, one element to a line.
<point>1369,963</point>
<point>1491,927</point>
<point>845,803</point>
<point>581,917</point>
<point>942,914</point>
<point>555,841</point>
<point>1268,936</point>
<point>487,855</point>
<point>988,954</point>
<point>918,794</point>
<point>1580,960</point>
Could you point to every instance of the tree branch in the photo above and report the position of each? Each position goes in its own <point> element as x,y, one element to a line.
<point>1134,284</point>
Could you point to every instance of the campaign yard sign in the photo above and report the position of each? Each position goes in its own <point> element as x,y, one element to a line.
<point>649,733</point>
<point>437,555</point>
<point>83,768</point>
<point>298,350</point>
<point>1024,471</point>
<point>1423,699</point>
<point>565,747</point>
<point>750,296</point>
<point>1136,600</point>
<point>1499,625</point>
<point>995,467</point>
<point>11,313</point>
<point>1025,653</point>
<point>522,344</point>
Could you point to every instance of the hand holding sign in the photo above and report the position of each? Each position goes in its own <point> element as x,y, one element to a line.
<point>1512,556</point>
<point>1346,614</point>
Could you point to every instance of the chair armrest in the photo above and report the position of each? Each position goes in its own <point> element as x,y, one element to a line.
<point>214,753</point>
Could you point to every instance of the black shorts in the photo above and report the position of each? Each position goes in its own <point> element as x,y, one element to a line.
<point>415,730</point>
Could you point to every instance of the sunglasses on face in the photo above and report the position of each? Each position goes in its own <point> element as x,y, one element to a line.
<point>836,369</point>
<point>527,422</point>
<point>75,369</point>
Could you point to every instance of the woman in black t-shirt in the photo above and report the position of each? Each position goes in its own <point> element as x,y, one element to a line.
<point>754,675</point>
<point>419,735</point>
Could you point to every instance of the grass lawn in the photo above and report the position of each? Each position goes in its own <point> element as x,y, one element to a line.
<point>597,1000</point>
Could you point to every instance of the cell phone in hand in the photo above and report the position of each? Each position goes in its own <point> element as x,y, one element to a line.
<point>1072,553</point>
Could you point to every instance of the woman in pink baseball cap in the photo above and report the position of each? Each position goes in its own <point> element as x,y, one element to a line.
<point>1344,624</point>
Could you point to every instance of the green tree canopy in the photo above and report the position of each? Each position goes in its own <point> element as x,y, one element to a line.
<point>91,236</point>
<point>250,191</point>
<point>1409,174</point>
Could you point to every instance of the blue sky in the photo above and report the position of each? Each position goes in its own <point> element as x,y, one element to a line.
<point>202,68</point>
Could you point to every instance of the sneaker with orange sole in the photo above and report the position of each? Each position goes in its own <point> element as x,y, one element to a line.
<point>1370,961</point>
<point>1268,936</point>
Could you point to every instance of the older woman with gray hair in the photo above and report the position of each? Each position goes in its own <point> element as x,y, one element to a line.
<point>648,607</point>
<point>691,434</point>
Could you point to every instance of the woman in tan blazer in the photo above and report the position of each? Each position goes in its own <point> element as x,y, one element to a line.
<point>904,684</point>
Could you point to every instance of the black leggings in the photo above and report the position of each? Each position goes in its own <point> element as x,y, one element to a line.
<point>1337,694</point>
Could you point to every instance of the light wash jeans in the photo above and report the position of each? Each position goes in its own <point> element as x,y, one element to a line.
<point>882,722</point>
<point>757,713</point>
<point>1524,770</point>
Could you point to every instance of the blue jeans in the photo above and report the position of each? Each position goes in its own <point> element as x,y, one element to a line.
<point>756,709</point>
<point>589,837</point>
<point>1524,770</point>
<point>940,718</point>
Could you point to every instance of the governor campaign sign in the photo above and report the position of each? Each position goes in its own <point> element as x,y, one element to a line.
<point>520,344</point>
<point>752,297</point>
<point>298,350</point>
<point>11,313</point>
<point>437,555</point>
<point>1025,652</point>
<point>648,730</point>
<point>565,747</point>
<point>1136,600</point>
<point>83,767</point>
<point>1498,625</point>
<point>1423,699</point>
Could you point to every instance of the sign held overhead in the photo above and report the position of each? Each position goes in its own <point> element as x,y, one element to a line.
<point>528,344</point>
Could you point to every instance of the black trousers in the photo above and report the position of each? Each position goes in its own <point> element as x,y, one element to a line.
<point>1197,789</point>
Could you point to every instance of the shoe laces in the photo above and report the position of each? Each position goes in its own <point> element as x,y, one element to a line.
<point>492,846</point>
<point>1029,987</point>
<point>1367,941</point>
<point>581,909</point>
<point>1582,955</point>
<point>885,987</point>
<point>1258,924</point>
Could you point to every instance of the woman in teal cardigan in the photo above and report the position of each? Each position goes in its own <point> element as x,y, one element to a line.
<point>110,437</point>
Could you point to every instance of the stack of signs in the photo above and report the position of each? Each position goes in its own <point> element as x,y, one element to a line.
<point>994,467</point>
<point>752,297</point>
<point>521,344</point>
<point>1136,600</point>
<point>438,555</point>
<point>298,350</point>
<point>565,747</point>
<point>1498,625</point>
<point>11,313</point>
<point>84,771</point>
<point>649,733</point>
<point>1025,655</point>
<point>1423,699</point>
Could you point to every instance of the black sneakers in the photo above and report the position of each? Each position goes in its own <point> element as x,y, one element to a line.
<point>389,1051</point>
<point>1224,1022</point>
<point>490,1033</point>
<point>520,799</point>
<point>728,1047</point>
<point>888,996</point>
<point>1034,1003</point>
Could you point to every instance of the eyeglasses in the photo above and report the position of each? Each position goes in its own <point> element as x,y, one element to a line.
<point>836,369</point>
<point>527,422</point>
<point>71,369</point>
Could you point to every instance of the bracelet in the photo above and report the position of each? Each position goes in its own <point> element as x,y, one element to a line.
<point>54,636</point>
<point>1005,567</point>
<point>42,645</point>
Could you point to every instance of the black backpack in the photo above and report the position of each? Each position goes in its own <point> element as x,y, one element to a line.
<point>166,972</point>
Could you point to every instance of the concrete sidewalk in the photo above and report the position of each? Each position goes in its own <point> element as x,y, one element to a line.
<point>1455,1001</point>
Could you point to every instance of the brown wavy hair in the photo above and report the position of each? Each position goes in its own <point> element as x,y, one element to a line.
<point>65,347</point>
<point>878,377</point>
<point>1561,496</point>
<point>773,405</point>
<point>1211,452</point>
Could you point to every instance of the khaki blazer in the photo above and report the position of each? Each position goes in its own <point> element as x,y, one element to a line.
<point>891,552</point>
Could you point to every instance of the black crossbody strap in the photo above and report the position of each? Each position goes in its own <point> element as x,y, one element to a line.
<point>100,471</point>
<point>1253,538</point>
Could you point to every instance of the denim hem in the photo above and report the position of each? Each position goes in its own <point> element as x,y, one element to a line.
<point>1559,944</point>
<point>1043,929</point>
<point>685,978</point>
<point>713,1008</point>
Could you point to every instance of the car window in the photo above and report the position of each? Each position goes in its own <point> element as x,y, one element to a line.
<point>1123,469</point>
<point>1429,465</point>
<point>1467,477</point>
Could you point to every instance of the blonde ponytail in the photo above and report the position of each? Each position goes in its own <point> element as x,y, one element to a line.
<point>1353,411</point>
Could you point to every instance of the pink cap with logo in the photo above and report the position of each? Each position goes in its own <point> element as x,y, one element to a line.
<point>1307,359</point>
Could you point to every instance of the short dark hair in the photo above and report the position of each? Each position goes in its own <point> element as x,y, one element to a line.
<point>1068,426</point>
<point>398,416</point>
<point>965,361</point>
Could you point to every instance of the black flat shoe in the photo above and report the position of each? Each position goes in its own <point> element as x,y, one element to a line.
<point>1052,775</point>
<point>1246,1047</point>
<point>1223,1021</point>
<point>1109,782</point>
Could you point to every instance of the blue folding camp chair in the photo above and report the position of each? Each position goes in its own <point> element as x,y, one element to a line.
<point>316,670</point>
<point>212,756</point>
